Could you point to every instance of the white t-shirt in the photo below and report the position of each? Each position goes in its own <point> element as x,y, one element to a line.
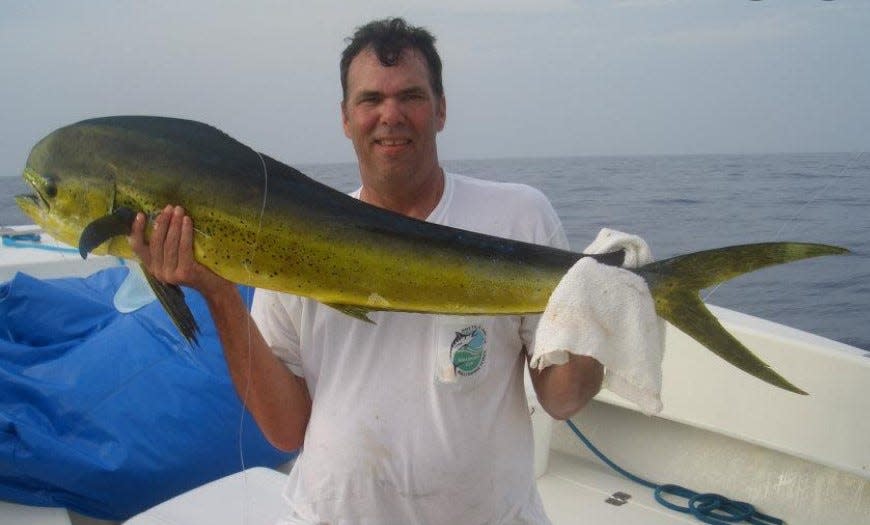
<point>395,436</point>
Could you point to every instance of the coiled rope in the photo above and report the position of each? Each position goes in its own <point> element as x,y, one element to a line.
<point>706,507</point>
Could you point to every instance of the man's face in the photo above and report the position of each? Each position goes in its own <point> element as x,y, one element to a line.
<point>392,116</point>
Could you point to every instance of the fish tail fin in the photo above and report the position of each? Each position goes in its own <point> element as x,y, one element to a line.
<point>675,283</point>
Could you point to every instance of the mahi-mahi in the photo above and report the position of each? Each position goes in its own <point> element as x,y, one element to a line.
<point>262,223</point>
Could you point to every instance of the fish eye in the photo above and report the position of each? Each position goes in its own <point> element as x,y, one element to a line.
<point>50,186</point>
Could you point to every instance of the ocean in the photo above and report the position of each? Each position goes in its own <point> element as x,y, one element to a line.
<point>681,204</point>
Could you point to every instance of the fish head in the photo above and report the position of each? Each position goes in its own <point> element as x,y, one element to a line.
<point>67,193</point>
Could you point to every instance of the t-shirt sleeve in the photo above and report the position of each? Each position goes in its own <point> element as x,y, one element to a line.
<point>274,320</point>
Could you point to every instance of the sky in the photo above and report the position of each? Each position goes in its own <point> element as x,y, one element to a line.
<point>536,78</point>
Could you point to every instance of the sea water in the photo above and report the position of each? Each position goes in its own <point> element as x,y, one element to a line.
<point>681,204</point>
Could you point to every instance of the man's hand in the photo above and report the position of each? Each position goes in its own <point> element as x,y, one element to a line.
<point>168,255</point>
<point>278,399</point>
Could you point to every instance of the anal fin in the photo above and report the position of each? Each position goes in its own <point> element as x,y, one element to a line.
<point>172,299</point>
<point>357,312</point>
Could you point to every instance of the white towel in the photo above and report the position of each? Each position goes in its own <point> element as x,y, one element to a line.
<point>607,313</point>
<point>637,252</point>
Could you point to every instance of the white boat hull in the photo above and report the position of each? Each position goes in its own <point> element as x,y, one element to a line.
<point>805,459</point>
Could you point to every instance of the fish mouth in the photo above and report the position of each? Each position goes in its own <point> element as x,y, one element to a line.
<point>37,199</point>
<point>32,206</point>
<point>29,200</point>
<point>35,205</point>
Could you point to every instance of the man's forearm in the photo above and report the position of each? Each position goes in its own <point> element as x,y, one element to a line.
<point>565,389</point>
<point>277,398</point>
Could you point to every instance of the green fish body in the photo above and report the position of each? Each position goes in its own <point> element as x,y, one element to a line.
<point>264,224</point>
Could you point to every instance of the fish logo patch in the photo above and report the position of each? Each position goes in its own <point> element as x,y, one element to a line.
<point>468,350</point>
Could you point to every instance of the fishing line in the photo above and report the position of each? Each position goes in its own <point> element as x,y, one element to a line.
<point>794,217</point>
<point>816,195</point>
<point>249,300</point>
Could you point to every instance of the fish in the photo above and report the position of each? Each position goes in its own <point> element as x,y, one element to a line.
<point>262,223</point>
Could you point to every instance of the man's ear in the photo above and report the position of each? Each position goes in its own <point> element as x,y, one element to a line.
<point>345,123</point>
<point>441,112</point>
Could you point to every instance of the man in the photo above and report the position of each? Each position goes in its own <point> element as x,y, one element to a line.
<point>415,418</point>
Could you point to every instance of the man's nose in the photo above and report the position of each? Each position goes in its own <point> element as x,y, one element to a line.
<point>392,112</point>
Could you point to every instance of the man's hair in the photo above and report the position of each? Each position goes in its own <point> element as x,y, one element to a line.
<point>389,38</point>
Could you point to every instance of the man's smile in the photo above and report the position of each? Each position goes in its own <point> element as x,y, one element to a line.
<point>393,146</point>
<point>392,142</point>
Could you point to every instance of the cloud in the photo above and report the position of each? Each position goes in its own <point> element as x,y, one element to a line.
<point>523,77</point>
<point>735,32</point>
<point>452,7</point>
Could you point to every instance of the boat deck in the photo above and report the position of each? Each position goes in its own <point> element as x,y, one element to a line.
<point>29,249</point>
<point>575,490</point>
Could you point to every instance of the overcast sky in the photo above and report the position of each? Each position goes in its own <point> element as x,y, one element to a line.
<point>523,78</point>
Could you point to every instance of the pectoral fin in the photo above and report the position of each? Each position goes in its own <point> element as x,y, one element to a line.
<point>119,222</point>
<point>172,299</point>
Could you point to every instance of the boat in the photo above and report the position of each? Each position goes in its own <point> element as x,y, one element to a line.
<point>801,459</point>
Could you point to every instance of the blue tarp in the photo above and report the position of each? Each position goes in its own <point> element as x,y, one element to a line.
<point>108,413</point>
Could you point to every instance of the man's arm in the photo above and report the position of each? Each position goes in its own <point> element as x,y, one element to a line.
<point>565,389</point>
<point>277,398</point>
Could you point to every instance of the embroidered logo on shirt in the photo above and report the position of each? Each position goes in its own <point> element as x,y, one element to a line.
<point>468,350</point>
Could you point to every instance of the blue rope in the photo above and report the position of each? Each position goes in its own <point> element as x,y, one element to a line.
<point>32,241</point>
<point>708,508</point>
